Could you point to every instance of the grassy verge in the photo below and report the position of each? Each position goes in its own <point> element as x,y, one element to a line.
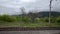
<point>21,24</point>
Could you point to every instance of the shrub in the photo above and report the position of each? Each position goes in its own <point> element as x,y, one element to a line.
<point>52,20</point>
<point>7,18</point>
<point>58,19</point>
<point>37,19</point>
<point>46,19</point>
<point>18,18</point>
<point>26,19</point>
<point>41,19</point>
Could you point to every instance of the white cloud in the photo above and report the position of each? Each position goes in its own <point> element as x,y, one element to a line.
<point>28,1</point>
<point>28,4</point>
<point>15,3</point>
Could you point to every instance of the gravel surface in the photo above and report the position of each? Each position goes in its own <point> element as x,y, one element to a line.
<point>31,32</point>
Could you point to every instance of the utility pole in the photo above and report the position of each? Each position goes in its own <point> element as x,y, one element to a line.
<point>50,7</point>
<point>50,11</point>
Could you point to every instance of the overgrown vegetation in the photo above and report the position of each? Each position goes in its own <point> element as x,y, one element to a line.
<point>7,18</point>
<point>27,21</point>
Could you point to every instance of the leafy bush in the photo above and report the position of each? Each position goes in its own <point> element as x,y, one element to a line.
<point>26,19</point>
<point>42,20</point>
<point>46,19</point>
<point>58,19</point>
<point>18,18</point>
<point>37,20</point>
<point>7,18</point>
<point>53,19</point>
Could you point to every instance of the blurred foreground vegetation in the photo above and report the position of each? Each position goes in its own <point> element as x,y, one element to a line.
<point>18,21</point>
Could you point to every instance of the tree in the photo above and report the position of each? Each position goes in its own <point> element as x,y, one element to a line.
<point>33,15</point>
<point>23,13</point>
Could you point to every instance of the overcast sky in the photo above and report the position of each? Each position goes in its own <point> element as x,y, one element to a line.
<point>12,6</point>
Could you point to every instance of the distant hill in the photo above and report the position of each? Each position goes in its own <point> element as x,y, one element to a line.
<point>44,14</point>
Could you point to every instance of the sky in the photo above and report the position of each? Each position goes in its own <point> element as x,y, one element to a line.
<point>13,6</point>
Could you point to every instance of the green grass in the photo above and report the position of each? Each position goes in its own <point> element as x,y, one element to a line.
<point>22,24</point>
<point>55,25</point>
